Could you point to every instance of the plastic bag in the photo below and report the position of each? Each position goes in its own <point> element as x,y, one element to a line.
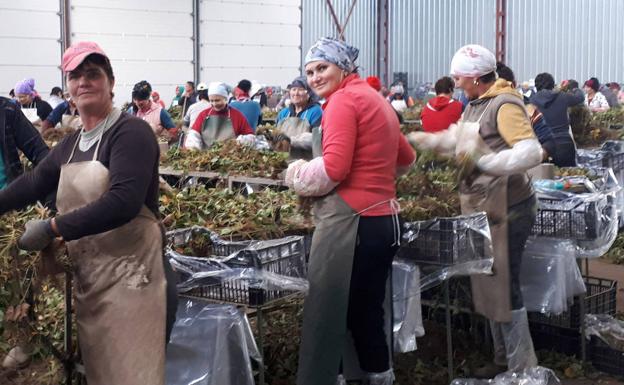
<point>607,328</point>
<point>406,306</point>
<point>550,277</point>
<point>448,247</point>
<point>210,344</point>
<point>532,376</point>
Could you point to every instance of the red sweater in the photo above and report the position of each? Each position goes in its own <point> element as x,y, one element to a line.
<point>362,146</point>
<point>440,113</point>
<point>239,122</point>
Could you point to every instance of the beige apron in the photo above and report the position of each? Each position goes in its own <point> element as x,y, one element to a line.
<point>31,115</point>
<point>216,128</point>
<point>291,127</point>
<point>120,286</point>
<point>491,294</point>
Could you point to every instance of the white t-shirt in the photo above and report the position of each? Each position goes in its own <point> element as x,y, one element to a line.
<point>193,111</point>
<point>599,101</point>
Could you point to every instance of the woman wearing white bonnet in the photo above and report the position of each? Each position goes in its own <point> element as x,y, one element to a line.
<point>495,145</point>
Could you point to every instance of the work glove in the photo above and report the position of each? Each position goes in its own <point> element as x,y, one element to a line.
<point>291,171</point>
<point>193,140</point>
<point>37,236</point>
<point>248,140</point>
<point>281,143</point>
<point>311,179</point>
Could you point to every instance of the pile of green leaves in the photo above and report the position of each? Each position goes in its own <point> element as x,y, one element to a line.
<point>413,113</point>
<point>616,252</point>
<point>228,157</point>
<point>429,190</point>
<point>19,275</point>
<point>175,112</point>
<point>606,119</point>
<point>262,215</point>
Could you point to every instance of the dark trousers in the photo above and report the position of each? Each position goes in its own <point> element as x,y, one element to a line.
<point>371,266</point>
<point>172,298</point>
<point>521,217</point>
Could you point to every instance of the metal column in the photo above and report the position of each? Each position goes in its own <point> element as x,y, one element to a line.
<point>196,21</point>
<point>65,40</point>
<point>382,41</point>
<point>501,30</point>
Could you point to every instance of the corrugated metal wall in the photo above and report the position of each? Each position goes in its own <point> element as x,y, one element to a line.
<point>30,45</point>
<point>257,40</point>
<point>424,34</point>
<point>361,31</point>
<point>145,41</point>
<point>574,39</point>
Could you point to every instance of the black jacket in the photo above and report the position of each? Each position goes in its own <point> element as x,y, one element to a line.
<point>17,133</point>
<point>554,106</point>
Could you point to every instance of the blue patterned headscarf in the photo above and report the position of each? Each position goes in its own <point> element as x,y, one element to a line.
<point>334,51</point>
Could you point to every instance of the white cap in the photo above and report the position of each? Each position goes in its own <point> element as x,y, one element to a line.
<point>202,87</point>
<point>218,88</point>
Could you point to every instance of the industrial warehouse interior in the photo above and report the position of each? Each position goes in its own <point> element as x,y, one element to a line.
<point>315,192</point>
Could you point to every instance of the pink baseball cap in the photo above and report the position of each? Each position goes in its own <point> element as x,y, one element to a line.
<point>76,53</point>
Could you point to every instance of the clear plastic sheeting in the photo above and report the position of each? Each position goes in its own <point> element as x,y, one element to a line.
<point>607,328</point>
<point>532,376</point>
<point>589,218</point>
<point>550,277</point>
<point>406,306</point>
<point>448,247</point>
<point>260,272</point>
<point>208,271</point>
<point>210,345</point>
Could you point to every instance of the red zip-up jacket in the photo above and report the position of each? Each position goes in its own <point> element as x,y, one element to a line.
<point>440,113</point>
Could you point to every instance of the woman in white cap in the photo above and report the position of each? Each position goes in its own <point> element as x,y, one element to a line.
<point>107,200</point>
<point>217,123</point>
<point>358,154</point>
<point>495,144</point>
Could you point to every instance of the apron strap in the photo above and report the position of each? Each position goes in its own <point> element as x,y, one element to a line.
<point>97,147</point>
<point>396,224</point>
<point>485,110</point>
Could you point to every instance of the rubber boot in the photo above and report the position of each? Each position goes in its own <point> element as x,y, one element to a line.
<point>518,342</point>
<point>492,369</point>
<point>341,380</point>
<point>383,378</point>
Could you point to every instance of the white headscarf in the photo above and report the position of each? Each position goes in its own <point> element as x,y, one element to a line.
<point>217,88</point>
<point>473,60</point>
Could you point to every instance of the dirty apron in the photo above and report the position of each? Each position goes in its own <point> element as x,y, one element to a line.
<point>120,286</point>
<point>292,127</point>
<point>491,294</point>
<point>325,339</point>
<point>216,128</point>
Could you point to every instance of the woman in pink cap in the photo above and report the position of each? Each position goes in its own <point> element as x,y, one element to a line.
<point>107,201</point>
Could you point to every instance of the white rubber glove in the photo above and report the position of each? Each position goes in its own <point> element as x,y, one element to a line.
<point>442,142</point>
<point>522,156</point>
<point>193,140</point>
<point>248,140</point>
<point>303,140</point>
<point>292,169</point>
<point>261,143</point>
<point>311,180</point>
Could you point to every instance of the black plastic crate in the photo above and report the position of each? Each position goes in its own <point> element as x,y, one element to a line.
<point>592,158</point>
<point>283,256</point>
<point>605,358</point>
<point>615,154</point>
<point>553,338</point>
<point>220,247</point>
<point>445,241</point>
<point>599,299</point>
<point>569,218</point>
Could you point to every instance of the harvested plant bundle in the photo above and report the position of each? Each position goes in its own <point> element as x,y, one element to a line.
<point>265,214</point>
<point>230,158</point>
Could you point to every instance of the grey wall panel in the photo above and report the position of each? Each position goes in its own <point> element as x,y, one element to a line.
<point>145,41</point>
<point>361,30</point>
<point>424,34</point>
<point>574,39</point>
<point>30,46</point>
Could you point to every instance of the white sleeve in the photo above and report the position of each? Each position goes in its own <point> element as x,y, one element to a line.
<point>522,156</point>
<point>303,140</point>
<point>442,142</point>
<point>193,140</point>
